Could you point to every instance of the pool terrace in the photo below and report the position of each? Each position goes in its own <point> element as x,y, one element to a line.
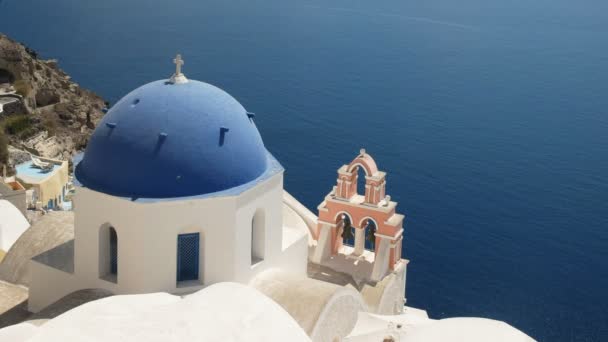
<point>32,175</point>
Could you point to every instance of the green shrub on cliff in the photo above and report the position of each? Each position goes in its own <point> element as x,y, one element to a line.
<point>22,88</point>
<point>17,124</point>
<point>50,126</point>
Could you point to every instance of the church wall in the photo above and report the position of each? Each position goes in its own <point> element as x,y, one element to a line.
<point>147,235</point>
<point>147,240</point>
<point>48,285</point>
<point>212,218</point>
<point>266,198</point>
<point>294,256</point>
<point>94,211</point>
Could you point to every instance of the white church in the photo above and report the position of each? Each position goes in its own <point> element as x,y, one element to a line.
<point>178,201</point>
<point>175,191</point>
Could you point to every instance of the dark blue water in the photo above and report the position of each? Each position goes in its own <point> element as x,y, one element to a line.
<point>490,116</point>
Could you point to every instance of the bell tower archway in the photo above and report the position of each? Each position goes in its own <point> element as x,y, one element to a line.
<point>375,182</point>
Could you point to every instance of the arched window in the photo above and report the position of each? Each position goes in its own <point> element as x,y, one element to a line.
<point>370,234</point>
<point>348,232</point>
<point>258,237</point>
<point>108,253</point>
<point>113,252</point>
<point>360,180</point>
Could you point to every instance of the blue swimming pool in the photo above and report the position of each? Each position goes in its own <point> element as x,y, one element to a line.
<point>28,170</point>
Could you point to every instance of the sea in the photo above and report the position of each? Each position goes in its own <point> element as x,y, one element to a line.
<point>490,118</point>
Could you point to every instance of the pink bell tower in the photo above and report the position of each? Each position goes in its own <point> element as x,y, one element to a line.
<point>371,214</point>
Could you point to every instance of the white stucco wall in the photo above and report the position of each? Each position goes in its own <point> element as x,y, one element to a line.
<point>392,299</point>
<point>147,241</point>
<point>47,285</point>
<point>281,249</point>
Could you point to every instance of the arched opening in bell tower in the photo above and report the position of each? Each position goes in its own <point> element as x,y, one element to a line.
<point>370,233</point>
<point>346,229</point>
<point>360,180</point>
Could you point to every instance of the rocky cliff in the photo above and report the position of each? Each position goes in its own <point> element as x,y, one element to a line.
<point>41,109</point>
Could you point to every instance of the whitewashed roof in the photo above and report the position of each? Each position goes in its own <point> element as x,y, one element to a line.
<point>220,312</point>
<point>12,224</point>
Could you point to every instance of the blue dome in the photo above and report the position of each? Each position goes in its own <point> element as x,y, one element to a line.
<point>167,140</point>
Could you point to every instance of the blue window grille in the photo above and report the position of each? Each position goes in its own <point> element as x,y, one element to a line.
<point>113,251</point>
<point>187,256</point>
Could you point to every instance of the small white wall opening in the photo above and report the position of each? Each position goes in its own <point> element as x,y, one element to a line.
<point>108,253</point>
<point>258,237</point>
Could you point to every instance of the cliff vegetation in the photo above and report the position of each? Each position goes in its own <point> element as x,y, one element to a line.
<point>42,111</point>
